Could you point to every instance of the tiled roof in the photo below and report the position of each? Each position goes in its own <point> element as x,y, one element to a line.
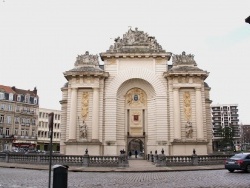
<point>6,89</point>
<point>24,92</point>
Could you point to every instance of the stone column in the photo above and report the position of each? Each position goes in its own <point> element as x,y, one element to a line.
<point>73,115</point>
<point>177,122</point>
<point>95,116</point>
<point>199,114</point>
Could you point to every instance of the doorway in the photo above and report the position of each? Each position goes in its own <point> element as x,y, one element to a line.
<point>136,148</point>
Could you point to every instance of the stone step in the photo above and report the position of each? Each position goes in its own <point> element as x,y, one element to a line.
<point>140,164</point>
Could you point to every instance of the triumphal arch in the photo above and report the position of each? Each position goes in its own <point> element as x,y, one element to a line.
<point>139,98</point>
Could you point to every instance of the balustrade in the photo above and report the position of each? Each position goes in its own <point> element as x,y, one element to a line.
<point>104,161</point>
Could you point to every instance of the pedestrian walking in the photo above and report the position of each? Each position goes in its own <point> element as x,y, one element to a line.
<point>130,154</point>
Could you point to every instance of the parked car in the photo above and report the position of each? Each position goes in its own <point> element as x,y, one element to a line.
<point>240,161</point>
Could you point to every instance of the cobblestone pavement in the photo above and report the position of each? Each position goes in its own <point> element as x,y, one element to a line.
<point>16,178</point>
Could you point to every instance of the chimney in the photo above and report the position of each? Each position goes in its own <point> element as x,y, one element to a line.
<point>13,88</point>
<point>35,90</point>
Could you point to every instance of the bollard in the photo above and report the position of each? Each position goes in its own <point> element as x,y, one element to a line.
<point>60,176</point>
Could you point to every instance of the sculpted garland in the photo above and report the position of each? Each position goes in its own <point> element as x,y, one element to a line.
<point>85,112</point>
<point>188,113</point>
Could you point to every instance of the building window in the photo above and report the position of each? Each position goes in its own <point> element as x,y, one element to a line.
<point>2,106</point>
<point>1,118</point>
<point>7,131</point>
<point>10,107</point>
<point>17,108</point>
<point>1,95</point>
<point>9,119</point>
<point>11,96</point>
<point>16,131</point>
<point>26,133</point>
<point>24,121</point>
<point>22,132</point>
<point>18,98</point>
<point>1,130</point>
<point>58,117</point>
<point>33,121</point>
<point>33,133</point>
<point>27,98</point>
<point>35,100</point>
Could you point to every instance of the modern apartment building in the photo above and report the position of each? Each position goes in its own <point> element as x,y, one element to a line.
<point>225,115</point>
<point>43,134</point>
<point>18,118</point>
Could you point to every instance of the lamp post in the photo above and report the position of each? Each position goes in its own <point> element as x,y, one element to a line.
<point>51,122</point>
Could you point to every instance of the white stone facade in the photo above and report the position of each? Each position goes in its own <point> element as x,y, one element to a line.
<point>136,102</point>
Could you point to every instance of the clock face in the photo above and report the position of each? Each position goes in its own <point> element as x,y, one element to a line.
<point>136,97</point>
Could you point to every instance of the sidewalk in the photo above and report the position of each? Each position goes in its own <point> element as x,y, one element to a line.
<point>134,166</point>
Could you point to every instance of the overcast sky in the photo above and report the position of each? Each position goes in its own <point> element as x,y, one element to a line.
<point>39,40</point>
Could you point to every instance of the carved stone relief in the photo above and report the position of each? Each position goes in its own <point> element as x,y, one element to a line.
<point>189,130</point>
<point>136,117</point>
<point>83,130</point>
<point>136,98</point>
<point>85,105</point>
<point>136,40</point>
<point>85,111</point>
<point>187,105</point>
<point>87,59</point>
<point>183,59</point>
<point>188,114</point>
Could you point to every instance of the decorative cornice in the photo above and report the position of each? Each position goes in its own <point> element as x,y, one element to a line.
<point>63,101</point>
<point>166,55</point>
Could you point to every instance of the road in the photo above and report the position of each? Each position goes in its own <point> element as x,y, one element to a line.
<point>16,178</point>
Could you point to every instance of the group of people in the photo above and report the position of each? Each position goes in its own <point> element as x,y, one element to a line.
<point>130,154</point>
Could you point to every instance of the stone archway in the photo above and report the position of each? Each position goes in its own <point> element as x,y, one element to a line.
<point>136,144</point>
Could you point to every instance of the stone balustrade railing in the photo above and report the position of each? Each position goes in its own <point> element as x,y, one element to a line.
<point>111,161</point>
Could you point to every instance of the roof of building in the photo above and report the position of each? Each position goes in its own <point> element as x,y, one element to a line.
<point>6,89</point>
<point>24,92</point>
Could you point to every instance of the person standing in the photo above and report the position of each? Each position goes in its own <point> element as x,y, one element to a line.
<point>136,153</point>
<point>130,154</point>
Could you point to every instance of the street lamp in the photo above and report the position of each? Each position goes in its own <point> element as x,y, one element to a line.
<point>247,20</point>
